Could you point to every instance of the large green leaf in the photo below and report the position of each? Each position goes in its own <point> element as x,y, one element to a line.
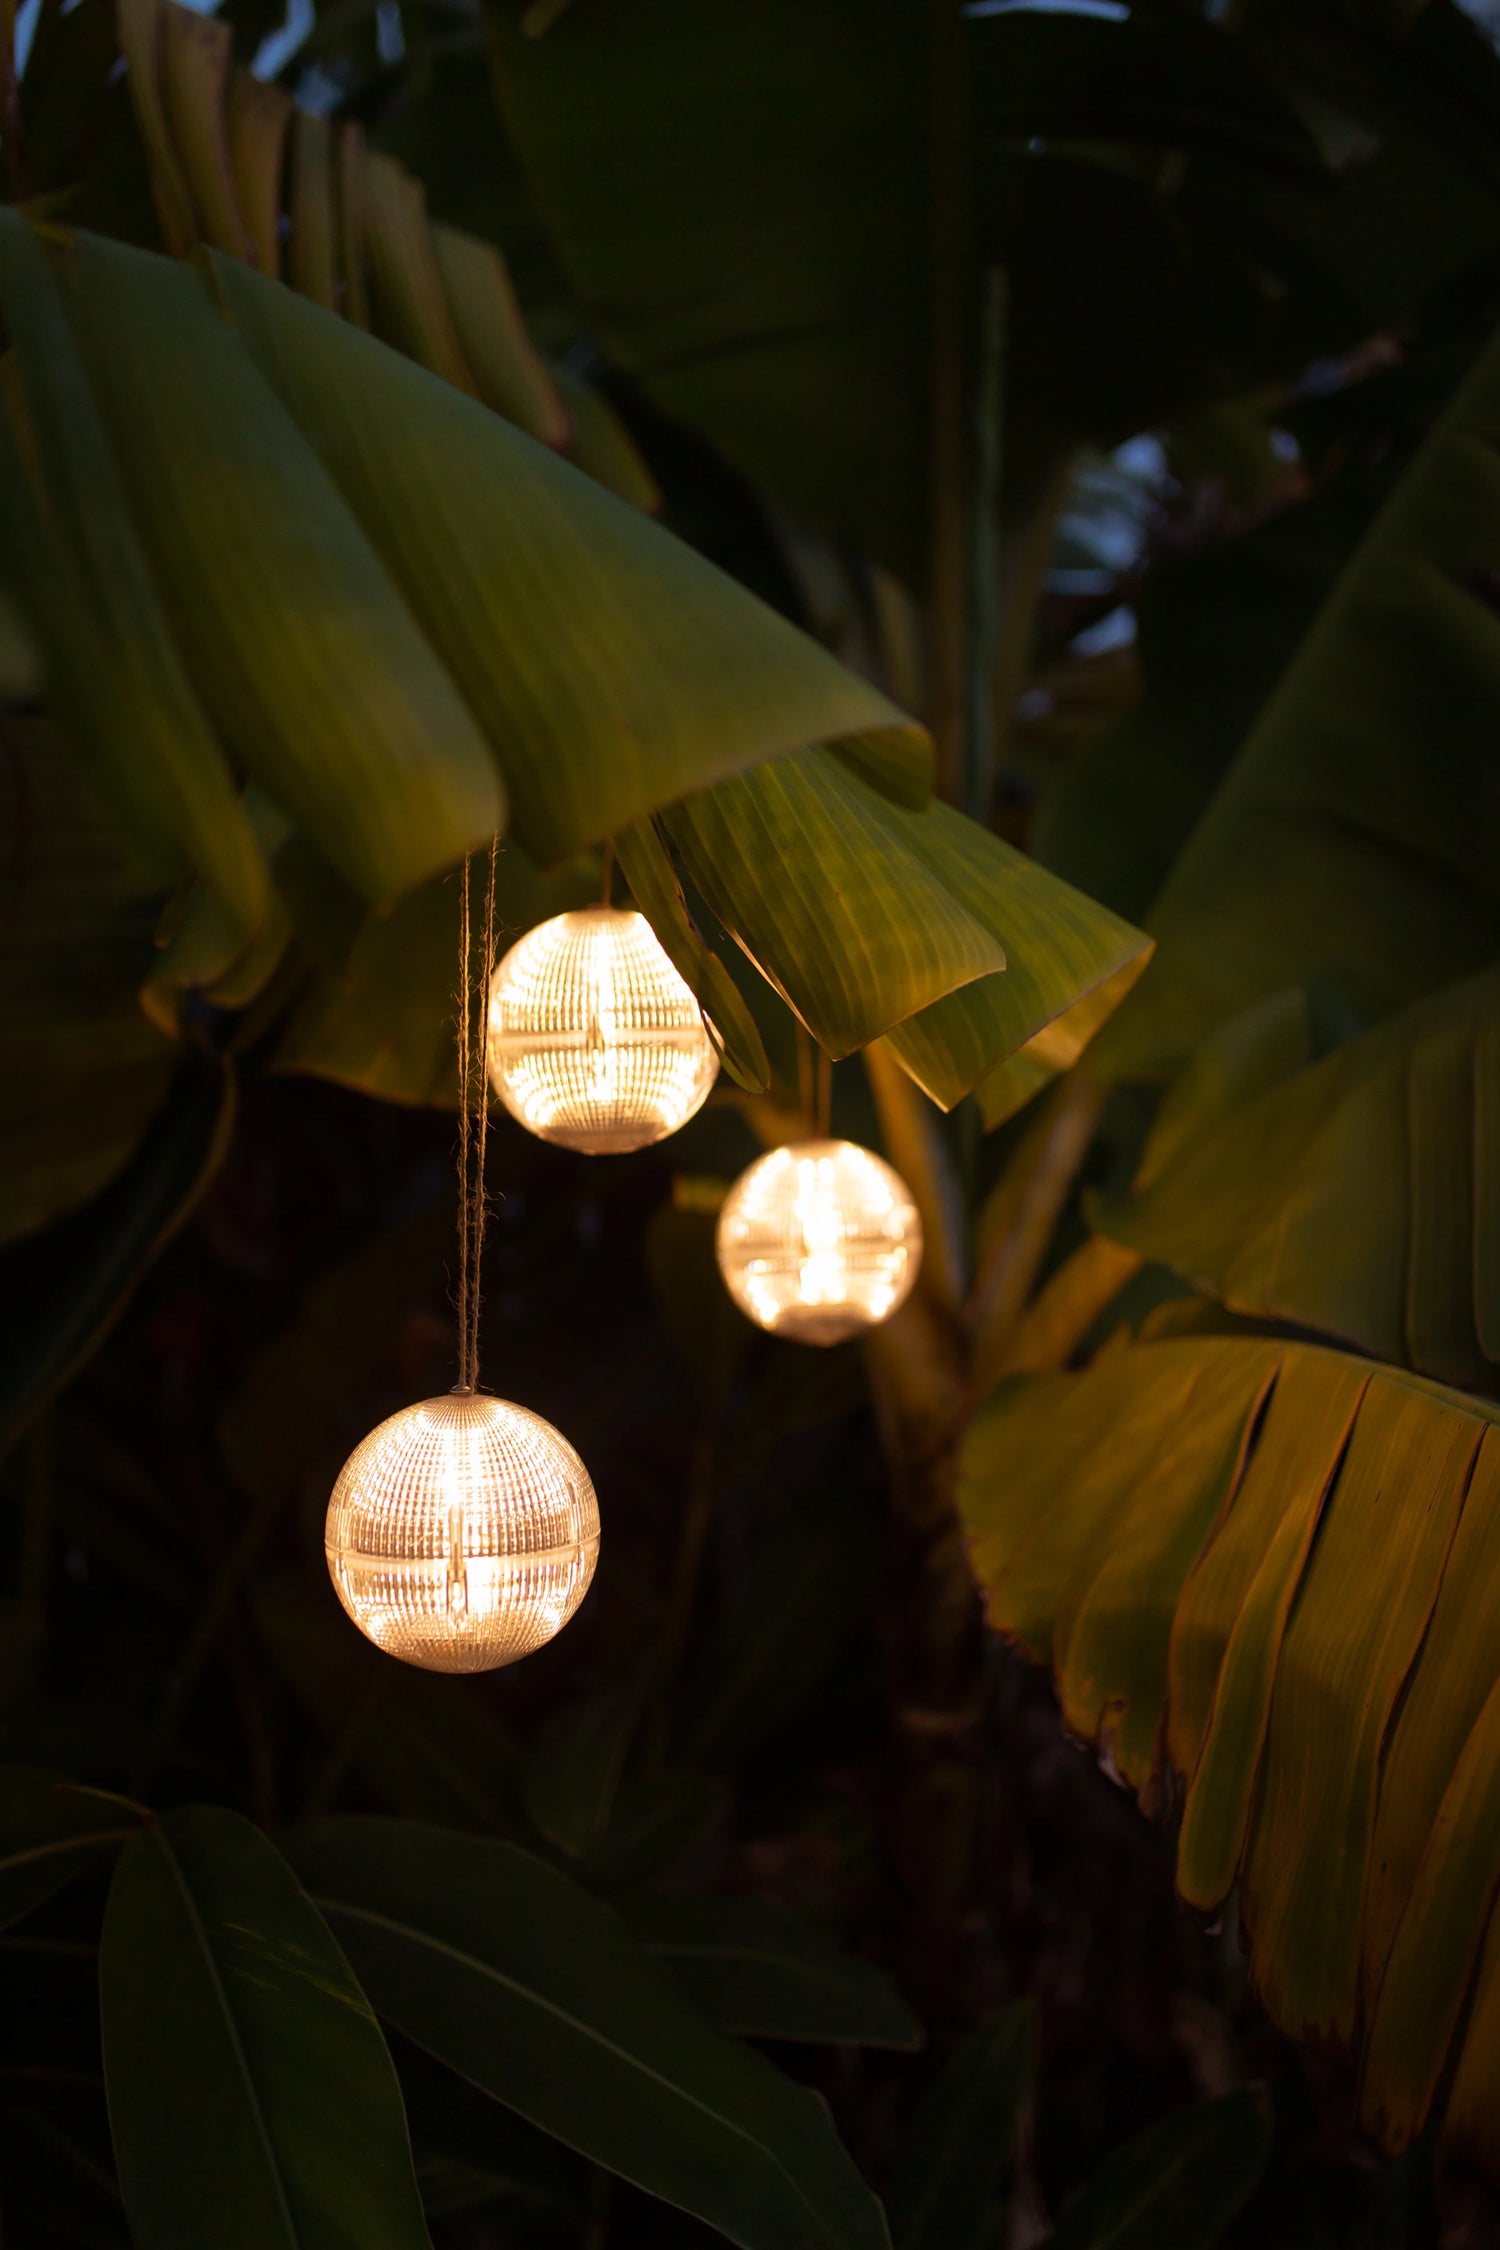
<point>50,1829</point>
<point>311,666</point>
<point>814,872</point>
<point>1181,2181</point>
<point>962,2138</point>
<point>381,1018</point>
<point>512,1975</point>
<point>780,308</point>
<point>1069,963</point>
<point>864,914</point>
<point>81,1068</point>
<point>610,667</point>
<point>1358,1196</point>
<point>433,558</point>
<point>64,1288</point>
<point>1356,840</point>
<point>251,2098</point>
<point>73,559</point>
<point>658,894</point>
<point>757,1969</point>
<point>1272,1568</point>
<point>783,310</point>
<point>1215,631</point>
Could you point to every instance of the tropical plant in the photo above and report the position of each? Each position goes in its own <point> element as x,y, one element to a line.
<point>604,428</point>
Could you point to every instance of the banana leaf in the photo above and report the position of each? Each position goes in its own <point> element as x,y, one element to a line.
<point>1264,1575</point>
<point>1355,842</point>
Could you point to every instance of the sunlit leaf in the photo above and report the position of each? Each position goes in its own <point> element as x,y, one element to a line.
<point>76,565</point>
<point>658,894</point>
<point>350,722</point>
<point>819,879</point>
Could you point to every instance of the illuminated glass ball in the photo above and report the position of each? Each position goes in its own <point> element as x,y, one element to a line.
<point>595,1040</point>
<point>462,1533</point>
<point>819,1240</point>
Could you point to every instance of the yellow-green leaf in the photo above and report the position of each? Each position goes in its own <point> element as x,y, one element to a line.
<point>1062,951</point>
<point>1273,1568</point>
<point>75,562</point>
<point>658,894</point>
<point>819,879</point>
<point>509,371</point>
<point>1356,1196</point>
<point>301,647</point>
<point>611,667</point>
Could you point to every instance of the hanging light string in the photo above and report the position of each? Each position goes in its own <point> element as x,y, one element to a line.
<point>473,1116</point>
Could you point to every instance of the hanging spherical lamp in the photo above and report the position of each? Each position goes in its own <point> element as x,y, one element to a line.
<point>819,1240</point>
<point>595,1041</point>
<point>462,1533</point>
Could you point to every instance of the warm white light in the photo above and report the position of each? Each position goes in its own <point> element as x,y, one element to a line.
<point>819,1240</point>
<point>595,1040</point>
<point>462,1533</point>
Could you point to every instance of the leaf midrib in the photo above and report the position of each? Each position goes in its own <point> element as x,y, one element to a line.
<point>237,2046</point>
<point>528,1993</point>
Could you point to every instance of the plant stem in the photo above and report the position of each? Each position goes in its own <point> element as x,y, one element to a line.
<point>1058,1318</point>
<point>1032,1195</point>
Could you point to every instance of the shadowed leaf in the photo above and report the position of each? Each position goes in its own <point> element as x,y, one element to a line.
<point>252,2101</point>
<point>1180,2182</point>
<point>509,1973</point>
<point>962,2138</point>
<point>50,1829</point>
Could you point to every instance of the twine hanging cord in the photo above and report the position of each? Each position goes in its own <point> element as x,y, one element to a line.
<point>473,997</point>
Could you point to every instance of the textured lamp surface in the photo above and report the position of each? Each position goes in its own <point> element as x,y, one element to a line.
<point>819,1240</point>
<point>595,1041</point>
<point>462,1533</point>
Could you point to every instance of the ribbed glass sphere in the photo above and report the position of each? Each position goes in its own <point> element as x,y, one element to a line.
<point>595,1040</point>
<point>462,1533</point>
<point>819,1240</point>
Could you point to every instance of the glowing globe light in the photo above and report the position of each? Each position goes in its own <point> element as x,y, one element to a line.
<point>819,1240</point>
<point>462,1533</point>
<point>595,1041</point>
